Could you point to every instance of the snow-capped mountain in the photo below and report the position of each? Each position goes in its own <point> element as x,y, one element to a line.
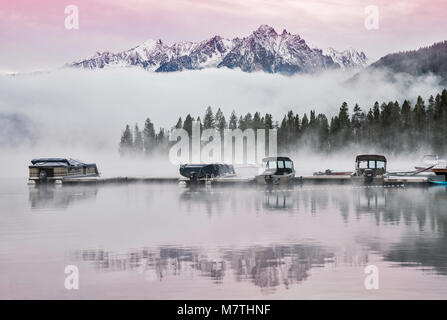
<point>263,50</point>
<point>349,58</point>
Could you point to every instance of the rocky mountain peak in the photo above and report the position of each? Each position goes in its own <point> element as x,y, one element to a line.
<point>263,50</point>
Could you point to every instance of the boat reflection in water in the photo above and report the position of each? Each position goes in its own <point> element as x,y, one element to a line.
<point>277,199</point>
<point>59,197</point>
<point>161,241</point>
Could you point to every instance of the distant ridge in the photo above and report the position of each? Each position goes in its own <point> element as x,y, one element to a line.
<point>421,62</point>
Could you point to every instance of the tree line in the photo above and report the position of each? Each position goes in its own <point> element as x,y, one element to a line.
<point>389,127</point>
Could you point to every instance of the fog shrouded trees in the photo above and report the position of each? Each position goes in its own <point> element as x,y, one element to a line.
<point>388,127</point>
<point>126,143</point>
<point>138,140</point>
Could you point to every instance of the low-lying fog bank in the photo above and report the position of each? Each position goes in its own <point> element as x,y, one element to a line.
<point>14,162</point>
<point>89,108</point>
<point>80,113</point>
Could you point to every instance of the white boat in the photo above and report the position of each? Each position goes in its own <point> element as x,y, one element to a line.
<point>277,170</point>
<point>431,160</point>
<point>370,169</point>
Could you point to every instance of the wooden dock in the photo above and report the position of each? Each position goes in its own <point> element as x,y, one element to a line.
<point>422,180</point>
<point>218,181</point>
<point>120,180</point>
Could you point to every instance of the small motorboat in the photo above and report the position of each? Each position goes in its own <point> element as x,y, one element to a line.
<point>430,160</point>
<point>57,169</point>
<point>370,169</point>
<point>277,170</point>
<point>203,172</point>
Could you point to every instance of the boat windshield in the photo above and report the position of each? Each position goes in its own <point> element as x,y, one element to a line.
<point>289,164</point>
<point>380,165</point>
<point>363,164</point>
<point>371,164</point>
<point>271,164</point>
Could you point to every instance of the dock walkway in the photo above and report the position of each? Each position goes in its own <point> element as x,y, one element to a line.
<point>328,179</point>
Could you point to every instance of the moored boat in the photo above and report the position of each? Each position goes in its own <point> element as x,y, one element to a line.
<point>430,160</point>
<point>57,169</point>
<point>370,169</point>
<point>203,172</point>
<point>277,170</point>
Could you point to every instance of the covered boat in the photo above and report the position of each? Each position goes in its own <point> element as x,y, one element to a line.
<point>277,170</point>
<point>369,169</point>
<point>52,169</point>
<point>203,172</point>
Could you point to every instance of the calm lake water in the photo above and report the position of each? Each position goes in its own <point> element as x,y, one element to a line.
<point>166,241</point>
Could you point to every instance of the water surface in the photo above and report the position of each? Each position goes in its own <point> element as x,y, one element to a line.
<point>165,241</point>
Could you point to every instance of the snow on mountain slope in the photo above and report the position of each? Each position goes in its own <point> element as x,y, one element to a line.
<point>263,50</point>
<point>349,58</point>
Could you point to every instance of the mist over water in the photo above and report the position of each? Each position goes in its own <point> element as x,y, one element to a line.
<point>81,113</point>
<point>89,108</point>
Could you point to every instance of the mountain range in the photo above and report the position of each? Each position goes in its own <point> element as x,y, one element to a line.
<point>263,50</point>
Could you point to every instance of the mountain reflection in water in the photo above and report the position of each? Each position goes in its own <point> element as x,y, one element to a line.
<point>263,266</point>
<point>246,241</point>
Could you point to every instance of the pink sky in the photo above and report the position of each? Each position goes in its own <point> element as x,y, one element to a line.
<point>33,36</point>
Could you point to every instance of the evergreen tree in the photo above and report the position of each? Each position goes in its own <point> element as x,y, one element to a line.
<point>208,120</point>
<point>160,138</point>
<point>358,123</point>
<point>248,121</point>
<point>126,143</point>
<point>148,136</point>
<point>438,136</point>
<point>419,121</point>
<point>268,122</point>
<point>257,122</point>
<point>138,140</point>
<point>241,124</point>
<point>304,124</point>
<point>233,121</point>
<point>220,121</point>
<point>323,133</point>
<point>430,118</point>
<point>376,112</point>
<point>187,125</point>
<point>179,123</point>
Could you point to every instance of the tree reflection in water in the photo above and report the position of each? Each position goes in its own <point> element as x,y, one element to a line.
<point>265,267</point>
<point>419,213</point>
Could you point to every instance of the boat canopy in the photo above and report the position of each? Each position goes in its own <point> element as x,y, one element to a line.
<point>200,171</point>
<point>276,159</point>
<point>368,157</point>
<point>59,162</point>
